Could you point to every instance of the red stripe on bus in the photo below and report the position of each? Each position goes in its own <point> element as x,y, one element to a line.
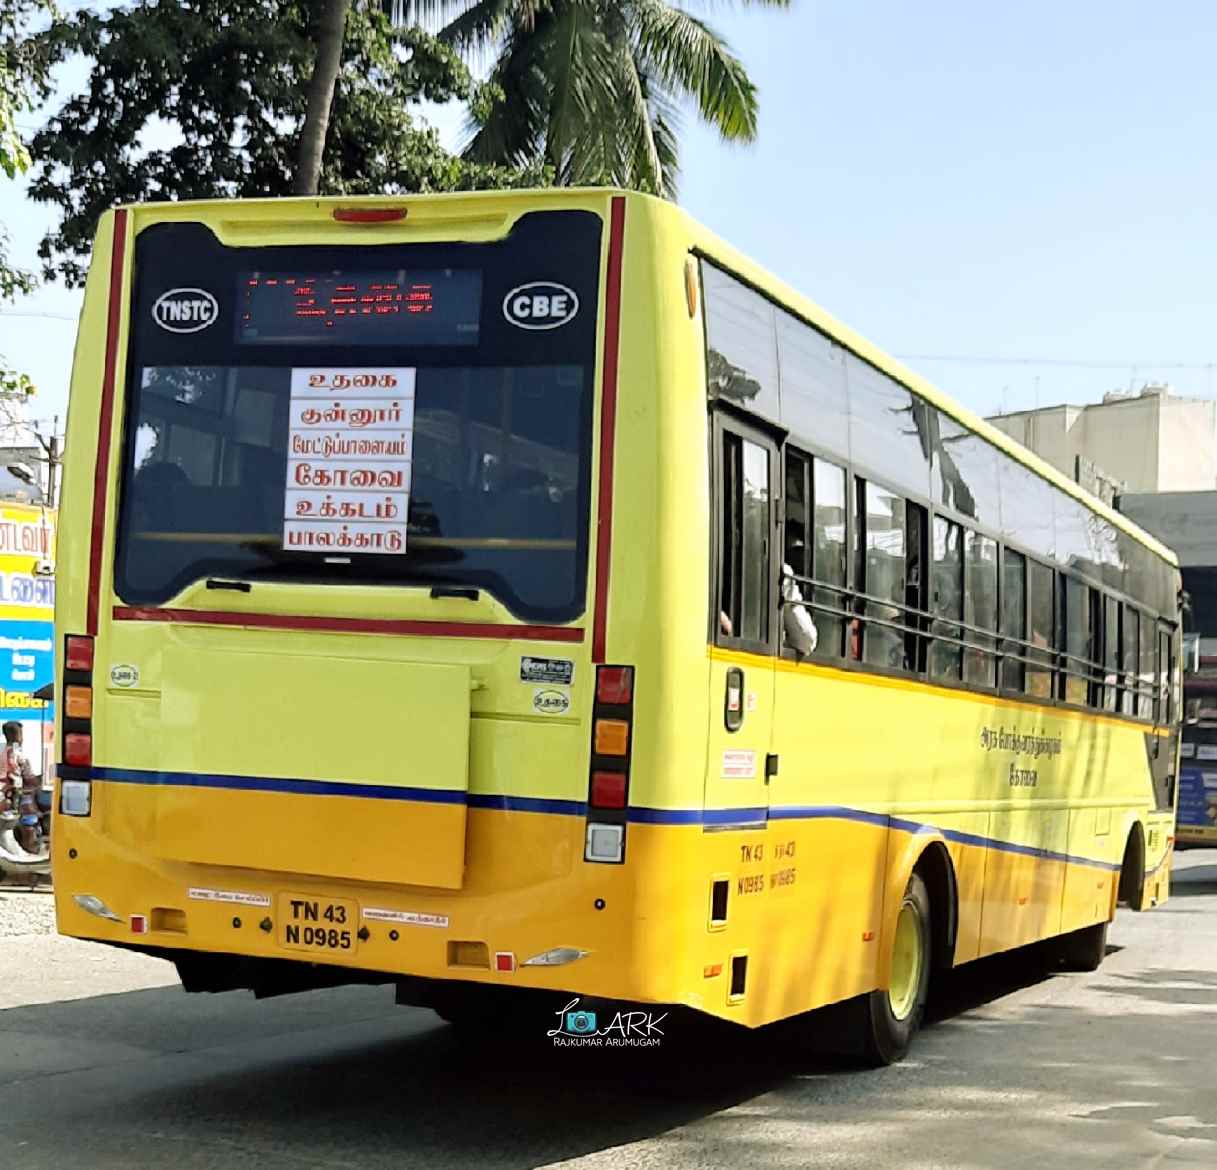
<point>608,422</point>
<point>282,621</point>
<point>105,422</point>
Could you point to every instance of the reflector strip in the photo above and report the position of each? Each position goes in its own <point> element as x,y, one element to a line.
<point>277,621</point>
<point>608,424</point>
<point>105,421</point>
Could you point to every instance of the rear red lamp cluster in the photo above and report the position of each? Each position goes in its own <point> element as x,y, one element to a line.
<point>614,684</point>
<point>369,214</point>
<point>75,689</point>
<point>608,790</point>
<point>609,780</point>
<point>78,653</point>
<point>78,750</point>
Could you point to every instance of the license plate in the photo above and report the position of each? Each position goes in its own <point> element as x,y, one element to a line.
<point>318,924</point>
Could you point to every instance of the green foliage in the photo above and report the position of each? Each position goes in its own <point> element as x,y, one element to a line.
<point>23,82</point>
<point>592,87</point>
<point>195,99</point>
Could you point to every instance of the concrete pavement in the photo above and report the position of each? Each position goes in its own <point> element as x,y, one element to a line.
<point>1115,1070</point>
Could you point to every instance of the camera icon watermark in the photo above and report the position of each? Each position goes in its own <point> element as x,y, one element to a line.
<point>579,1028</point>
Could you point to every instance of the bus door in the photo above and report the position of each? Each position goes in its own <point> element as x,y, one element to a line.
<point>743,616</point>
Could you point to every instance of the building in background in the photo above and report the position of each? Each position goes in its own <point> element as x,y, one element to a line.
<point>1133,441</point>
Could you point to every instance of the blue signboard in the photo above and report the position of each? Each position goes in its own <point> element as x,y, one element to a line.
<point>26,663</point>
<point>1198,797</point>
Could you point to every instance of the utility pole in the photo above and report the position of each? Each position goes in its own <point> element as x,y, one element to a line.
<point>54,459</point>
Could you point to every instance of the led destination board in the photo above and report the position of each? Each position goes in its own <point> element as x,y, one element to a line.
<point>390,307</point>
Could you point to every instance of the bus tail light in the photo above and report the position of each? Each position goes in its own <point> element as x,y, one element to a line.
<point>369,214</point>
<point>78,653</point>
<point>609,773</point>
<point>78,750</point>
<point>608,790</point>
<point>76,689</point>
<point>614,684</point>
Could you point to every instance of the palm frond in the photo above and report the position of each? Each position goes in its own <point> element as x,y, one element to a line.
<point>688,57</point>
<point>643,167</point>
<point>510,126</point>
<point>579,70</point>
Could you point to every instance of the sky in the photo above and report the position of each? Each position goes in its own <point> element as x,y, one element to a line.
<point>1026,190</point>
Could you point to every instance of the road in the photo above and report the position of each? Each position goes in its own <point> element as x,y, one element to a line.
<point>1115,1070</point>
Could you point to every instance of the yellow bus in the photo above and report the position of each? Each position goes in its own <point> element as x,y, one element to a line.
<point>516,592</point>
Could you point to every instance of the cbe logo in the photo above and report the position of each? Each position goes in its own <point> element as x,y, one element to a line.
<point>540,305</point>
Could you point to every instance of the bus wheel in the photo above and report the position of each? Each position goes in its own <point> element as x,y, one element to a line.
<point>1080,950</point>
<point>892,1016</point>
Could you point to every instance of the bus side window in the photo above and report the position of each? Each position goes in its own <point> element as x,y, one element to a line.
<point>1147,689</point>
<point>1111,652</point>
<point>797,625</point>
<point>1077,641</point>
<point>1094,693</point>
<point>881,575</point>
<point>730,584</point>
<point>979,606</point>
<point>1013,619</point>
<point>946,602</point>
<point>917,573</point>
<point>1130,638</point>
<point>829,558</point>
<point>744,600</point>
<point>1041,630</point>
<point>1164,708</point>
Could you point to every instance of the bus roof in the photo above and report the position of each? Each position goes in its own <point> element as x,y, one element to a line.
<point>788,297</point>
<point>242,211</point>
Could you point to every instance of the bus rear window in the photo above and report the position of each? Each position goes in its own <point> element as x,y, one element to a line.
<point>393,453</point>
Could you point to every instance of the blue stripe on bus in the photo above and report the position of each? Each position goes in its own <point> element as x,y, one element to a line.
<point>279,784</point>
<point>541,804</point>
<point>714,818</point>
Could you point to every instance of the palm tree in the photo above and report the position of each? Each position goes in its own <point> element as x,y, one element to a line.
<point>331,28</point>
<point>593,87</point>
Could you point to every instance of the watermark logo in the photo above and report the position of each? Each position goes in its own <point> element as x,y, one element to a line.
<point>579,1028</point>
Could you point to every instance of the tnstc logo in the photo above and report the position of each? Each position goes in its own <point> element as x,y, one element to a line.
<point>540,305</point>
<point>185,310</point>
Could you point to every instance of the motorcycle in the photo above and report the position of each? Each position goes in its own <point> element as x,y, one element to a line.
<point>25,824</point>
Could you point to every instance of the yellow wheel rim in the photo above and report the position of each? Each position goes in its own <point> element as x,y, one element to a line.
<point>908,959</point>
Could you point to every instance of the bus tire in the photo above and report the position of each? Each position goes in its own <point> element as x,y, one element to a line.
<point>1131,891</point>
<point>892,1016</point>
<point>1081,950</point>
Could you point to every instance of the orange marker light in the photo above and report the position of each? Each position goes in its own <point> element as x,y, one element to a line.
<point>691,296</point>
<point>612,737</point>
<point>78,702</point>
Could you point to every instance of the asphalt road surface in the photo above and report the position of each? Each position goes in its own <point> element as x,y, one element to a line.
<point>1115,1070</point>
